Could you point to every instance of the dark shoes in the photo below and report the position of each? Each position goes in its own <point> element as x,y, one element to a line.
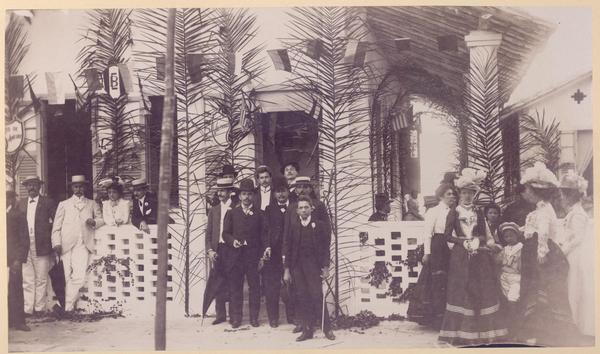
<point>297,329</point>
<point>254,323</point>
<point>235,324</point>
<point>273,324</point>
<point>218,321</point>
<point>22,327</point>
<point>329,335</point>
<point>304,336</point>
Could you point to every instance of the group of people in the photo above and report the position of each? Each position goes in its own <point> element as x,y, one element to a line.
<point>518,274</point>
<point>274,235</point>
<point>41,233</point>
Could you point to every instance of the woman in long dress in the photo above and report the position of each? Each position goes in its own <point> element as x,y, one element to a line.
<point>472,313</point>
<point>427,305</point>
<point>115,210</point>
<point>579,249</point>
<point>547,316</point>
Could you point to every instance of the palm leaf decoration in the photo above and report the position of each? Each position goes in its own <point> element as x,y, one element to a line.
<point>107,42</point>
<point>232,94</point>
<point>338,89</point>
<point>195,35</point>
<point>16,48</point>
<point>540,141</point>
<point>484,136</point>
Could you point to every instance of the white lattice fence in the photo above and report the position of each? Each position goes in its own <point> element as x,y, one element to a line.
<point>393,243</point>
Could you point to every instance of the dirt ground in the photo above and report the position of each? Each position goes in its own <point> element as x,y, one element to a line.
<point>136,333</point>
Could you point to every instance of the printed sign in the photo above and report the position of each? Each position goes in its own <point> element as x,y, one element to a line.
<point>114,82</point>
<point>14,136</point>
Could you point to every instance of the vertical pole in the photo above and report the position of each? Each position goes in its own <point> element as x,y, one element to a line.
<point>164,187</point>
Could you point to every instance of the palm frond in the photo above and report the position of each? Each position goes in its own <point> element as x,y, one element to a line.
<point>543,138</point>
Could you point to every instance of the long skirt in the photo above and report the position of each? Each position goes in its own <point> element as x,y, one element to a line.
<point>581,284</point>
<point>472,314</point>
<point>546,311</point>
<point>427,305</point>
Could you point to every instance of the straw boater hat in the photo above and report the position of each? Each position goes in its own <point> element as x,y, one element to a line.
<point>302,180</point>
<point>470,178</point>
<point>539,176</point>
<point>572,180</point>
<point>509,226</point>
<point>107,182</point>
<point>78,179</point>
<point>291,163</point>
<point>224,183</point>
<point>247,185</point>
<point>139,183</point>
<point>31,179</point>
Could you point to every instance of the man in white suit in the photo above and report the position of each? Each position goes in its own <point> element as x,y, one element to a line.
<point>73,237</point>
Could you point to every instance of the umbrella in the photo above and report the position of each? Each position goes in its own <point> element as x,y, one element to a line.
<point>57,278</point>
<point>215,284</point>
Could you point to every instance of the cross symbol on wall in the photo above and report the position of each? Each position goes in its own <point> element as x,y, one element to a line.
<point>578,96</point>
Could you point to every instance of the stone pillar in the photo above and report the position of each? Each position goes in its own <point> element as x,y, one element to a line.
<point>483,88</point>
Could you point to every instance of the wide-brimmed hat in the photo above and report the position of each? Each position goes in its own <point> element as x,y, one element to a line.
<point>107,182</point>
<point>539,176</point>
<point>571,180</point>
<point>79,179</point>
<point>304,180</point>
<point>470,178</point>
<point>31,179</point>
<point>224,183</point>
<point>509,226</point>
<point>263,168</point>
<point>228,170</point>
<point>279,184</point>
<point>291,163</point>
<point>246,185</point>
<point>139,183</point>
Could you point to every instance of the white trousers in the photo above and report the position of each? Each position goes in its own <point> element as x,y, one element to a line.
<point>35,282</point>
<point>75,262</point>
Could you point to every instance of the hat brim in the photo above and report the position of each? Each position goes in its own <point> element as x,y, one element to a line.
<point>140,186</point>
<point>79,182</point>
<point>39,181</point>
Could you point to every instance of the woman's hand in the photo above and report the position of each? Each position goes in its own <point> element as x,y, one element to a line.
<point>425,259</point>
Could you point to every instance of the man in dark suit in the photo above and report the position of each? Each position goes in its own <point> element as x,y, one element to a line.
<point>382,208</point>
<point>215,244</point>
<point>38,214</point>
<point>290,171</point>
<point>306,261</point>
<point>272,273</point>
<point>243,234</point>
<point>17,247</point>
<point>264,194</point>
<point>304,187</point>
<point>144,206</point>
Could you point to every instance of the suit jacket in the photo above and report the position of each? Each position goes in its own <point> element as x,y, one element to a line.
<point>258,197</point>
<point>149,213</point>
<point>17,237</point>
<point>273,226</point>
<point>244,228</point>
<point>320,235</point>
<point>44,218</point>
<point>69,223</point>
<point>319,213</point>
<point>213,227</point>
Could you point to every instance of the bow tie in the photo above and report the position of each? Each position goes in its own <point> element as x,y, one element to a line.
<point>32,200</point>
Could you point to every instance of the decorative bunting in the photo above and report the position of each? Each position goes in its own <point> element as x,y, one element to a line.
<point>56,92</point>
<point>195,62</point>
<point>314,48</point>
<point>280,58</point>
<point>16,86</point>
<point>160,67</point>
<point>401,119</point>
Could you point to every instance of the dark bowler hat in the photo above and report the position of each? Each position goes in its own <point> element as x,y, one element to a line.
<point>228,170</point>
<point>246,185</point>
<point>292,163</point>
<point>279,184</point>
<point>31,179</point>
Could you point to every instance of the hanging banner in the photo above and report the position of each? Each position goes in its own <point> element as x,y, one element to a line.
<point>13,133</point>
<point>114,82</point>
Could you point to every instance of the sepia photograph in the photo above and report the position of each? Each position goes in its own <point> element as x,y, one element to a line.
<point>270,178</point>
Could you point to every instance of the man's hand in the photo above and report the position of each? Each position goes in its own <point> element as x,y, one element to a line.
<point>144,227</point>
<point>58,250</point>
<point>90,222</point>
<point>267,254</point>
<point>237,244</point>
<point>325,273</point>
<point>212,255</point>
<point>287,277</point>
<point>425,259</point>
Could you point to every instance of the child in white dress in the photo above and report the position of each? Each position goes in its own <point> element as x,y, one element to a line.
<point>509,260</point>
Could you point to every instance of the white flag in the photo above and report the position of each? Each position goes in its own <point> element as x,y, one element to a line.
<point>56,90</point>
